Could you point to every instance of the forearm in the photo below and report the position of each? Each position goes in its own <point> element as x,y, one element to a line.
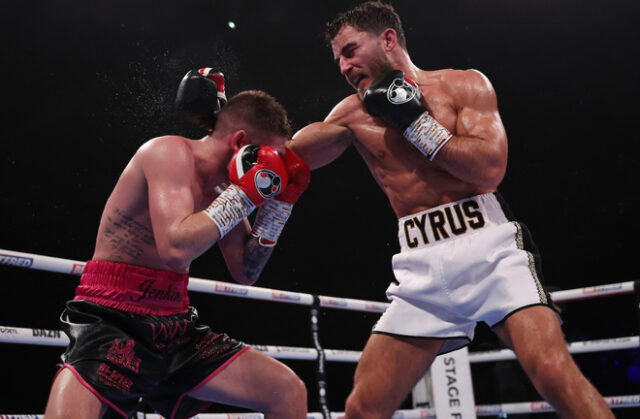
<point>254,259</point>
<point>189,239</point>
<point>473,160</point>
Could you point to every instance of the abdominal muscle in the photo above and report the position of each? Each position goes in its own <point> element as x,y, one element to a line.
<point>411,182</point>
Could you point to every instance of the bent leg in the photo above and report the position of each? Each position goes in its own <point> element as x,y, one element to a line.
<point>535,336</point>
<point>257,381</point>
<point>70,399</point>
<point>389,368</point>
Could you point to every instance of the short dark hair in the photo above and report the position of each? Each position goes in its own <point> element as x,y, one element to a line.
<point>255,110</point>
<point>372,16</point>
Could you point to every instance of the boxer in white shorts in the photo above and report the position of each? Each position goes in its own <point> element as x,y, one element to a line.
<point>431,139</point>
<point>459,264</point>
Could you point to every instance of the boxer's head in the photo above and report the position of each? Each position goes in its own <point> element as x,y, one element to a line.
<point>261,118</point>
<point>361,39</point>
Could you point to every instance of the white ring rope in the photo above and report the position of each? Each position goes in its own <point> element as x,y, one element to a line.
<point>48,337</point>
<point>632,400</point>
<point>74,267</point>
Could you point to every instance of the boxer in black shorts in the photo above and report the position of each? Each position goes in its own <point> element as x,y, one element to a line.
<point>132,332</point>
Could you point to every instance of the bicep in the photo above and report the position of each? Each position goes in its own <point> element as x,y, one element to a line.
<point>320,143</point>
<point>478,115</point>
<point>169,192</point>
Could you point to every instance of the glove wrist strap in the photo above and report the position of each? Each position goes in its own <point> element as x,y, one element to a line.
<point>427,135</point>
<point>270,221</point>
<point>231,206</point>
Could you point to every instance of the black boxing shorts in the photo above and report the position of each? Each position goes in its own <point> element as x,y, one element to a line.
<point>122,357</point>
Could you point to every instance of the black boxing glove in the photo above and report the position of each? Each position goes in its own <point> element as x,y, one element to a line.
<point>398,101</point>
<point>201,95</point>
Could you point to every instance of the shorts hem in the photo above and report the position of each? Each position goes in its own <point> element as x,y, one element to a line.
<point>91,389</point>
<point>204,381</point>
<point>511,313</point>
<point>465,338</point>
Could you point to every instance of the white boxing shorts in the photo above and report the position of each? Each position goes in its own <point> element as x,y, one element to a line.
<point>461,263</point>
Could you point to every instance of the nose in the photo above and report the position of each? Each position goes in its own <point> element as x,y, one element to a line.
<point>345,66</point>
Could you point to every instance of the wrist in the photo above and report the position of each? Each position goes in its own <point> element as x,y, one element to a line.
<point>427,135</point>
<point>231,206</point>
<point>270,221</point>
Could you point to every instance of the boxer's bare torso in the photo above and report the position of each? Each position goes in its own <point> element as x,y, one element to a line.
<point>126,233</point>
<point>462,101</point>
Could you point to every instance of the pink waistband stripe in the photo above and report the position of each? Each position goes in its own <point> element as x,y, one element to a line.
<point>134,289</point>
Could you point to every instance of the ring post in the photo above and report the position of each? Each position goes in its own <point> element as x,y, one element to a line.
<point>320,375</point>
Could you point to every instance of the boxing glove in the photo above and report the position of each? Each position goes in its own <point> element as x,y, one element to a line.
<point>273,215</point>
<point>398,101</point>
<point>257,175</point>
<point>201,95</point>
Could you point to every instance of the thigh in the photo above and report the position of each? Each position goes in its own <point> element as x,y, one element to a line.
<point>533,332</point>
<point>253,380</point>
<point>390,366</point>
<point>70,399</point>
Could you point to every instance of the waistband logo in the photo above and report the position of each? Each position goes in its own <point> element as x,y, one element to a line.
<point>157,293</point>
<point>442,223</point>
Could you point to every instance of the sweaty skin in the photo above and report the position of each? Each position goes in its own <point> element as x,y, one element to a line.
<point>153,217</point>
<point>473,162</point>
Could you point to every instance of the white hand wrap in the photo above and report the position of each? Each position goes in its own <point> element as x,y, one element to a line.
<point>231,206</point>
<point>427,135</point>
<point>270,221</point>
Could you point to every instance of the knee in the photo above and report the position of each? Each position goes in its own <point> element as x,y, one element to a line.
<point>551,370</point>
<point>292,396</point>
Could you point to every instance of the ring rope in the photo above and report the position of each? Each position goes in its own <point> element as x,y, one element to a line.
<point>614,402</point>
<point>57,338</point>
<point>48,337</point>
<point>74,267</point>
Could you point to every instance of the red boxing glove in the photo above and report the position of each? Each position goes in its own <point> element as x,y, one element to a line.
<point>259,172</point>
<point>257,175</point>
<point>218,78</point>
<point>299,176</point>
<point>273,215</point>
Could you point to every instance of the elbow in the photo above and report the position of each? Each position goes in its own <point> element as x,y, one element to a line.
<point>244,278</point>
<point>493,176</point>
<point>176,258</point>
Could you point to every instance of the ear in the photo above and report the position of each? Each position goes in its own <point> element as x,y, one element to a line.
<point>389,39</point>
<point>237,140</point>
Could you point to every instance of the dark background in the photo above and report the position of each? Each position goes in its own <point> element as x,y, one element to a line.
<point>86,83</point>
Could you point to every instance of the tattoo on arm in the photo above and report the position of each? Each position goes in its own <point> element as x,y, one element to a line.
<point>255,258</point>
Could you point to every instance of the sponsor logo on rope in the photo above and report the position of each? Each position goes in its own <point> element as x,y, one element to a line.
<point>540,406</point>
<point>623,400</point>
<point>230,289</point>
<point>284,295</point>
<point>77,269</point>
<point>332,301</point>
<point>375,306</point>
<point>601,288</point>
<point>46,333</point>
<point>8,331</point>
<point>18,261</point>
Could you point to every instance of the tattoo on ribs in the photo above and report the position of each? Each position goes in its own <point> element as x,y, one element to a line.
<point>255,257</point>
<point>127,236</point>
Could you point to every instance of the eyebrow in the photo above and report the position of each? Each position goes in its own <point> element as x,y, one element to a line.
<point>342,50</point>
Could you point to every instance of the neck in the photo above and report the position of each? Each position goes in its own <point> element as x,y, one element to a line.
<point>212,160</point>
<point>400,60</point>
